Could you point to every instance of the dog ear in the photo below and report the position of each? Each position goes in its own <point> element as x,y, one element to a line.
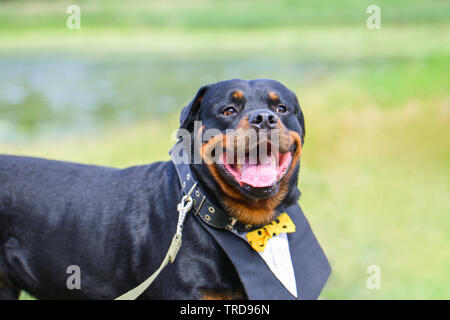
<point>191,112</point>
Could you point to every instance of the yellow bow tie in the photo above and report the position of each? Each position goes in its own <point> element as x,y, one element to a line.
<point>258,238</point>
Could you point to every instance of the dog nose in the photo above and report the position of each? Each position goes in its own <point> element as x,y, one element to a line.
<point>263,119</point>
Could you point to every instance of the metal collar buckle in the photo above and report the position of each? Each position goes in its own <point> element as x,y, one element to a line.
<point>230,225</point>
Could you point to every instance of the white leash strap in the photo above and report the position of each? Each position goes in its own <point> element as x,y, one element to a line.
<point>183,208</point>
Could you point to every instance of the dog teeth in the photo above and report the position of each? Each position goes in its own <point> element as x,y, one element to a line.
<point>239,166</point>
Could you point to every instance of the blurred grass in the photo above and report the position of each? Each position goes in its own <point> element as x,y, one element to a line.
<point>219,14</point>
<point>376,162</point>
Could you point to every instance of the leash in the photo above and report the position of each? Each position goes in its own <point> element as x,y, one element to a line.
<point>183,208</point>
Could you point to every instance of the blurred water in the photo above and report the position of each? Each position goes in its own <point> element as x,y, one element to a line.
<point>58,95</point>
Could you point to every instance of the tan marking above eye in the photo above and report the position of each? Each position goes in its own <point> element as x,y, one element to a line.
<point>238,94</point>
<point>273,96</point>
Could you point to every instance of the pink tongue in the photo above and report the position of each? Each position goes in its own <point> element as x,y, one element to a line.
<point>259,175</point>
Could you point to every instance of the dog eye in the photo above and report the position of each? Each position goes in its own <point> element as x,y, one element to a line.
<point>281,109</point>
<point>229,111</point>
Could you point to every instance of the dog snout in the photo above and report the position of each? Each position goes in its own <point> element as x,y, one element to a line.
<point>263,119</point>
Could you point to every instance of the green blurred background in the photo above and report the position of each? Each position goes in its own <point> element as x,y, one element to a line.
<point>376,163</point>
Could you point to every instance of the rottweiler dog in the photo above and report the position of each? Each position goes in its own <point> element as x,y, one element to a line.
<point>115,225</point>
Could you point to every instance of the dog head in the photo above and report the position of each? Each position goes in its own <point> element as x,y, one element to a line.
<point>248,136</point>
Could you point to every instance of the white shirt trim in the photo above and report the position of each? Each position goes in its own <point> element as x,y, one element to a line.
<point>277,256</point>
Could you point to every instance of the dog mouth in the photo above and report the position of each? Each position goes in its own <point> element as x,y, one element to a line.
<point>262,172</point>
